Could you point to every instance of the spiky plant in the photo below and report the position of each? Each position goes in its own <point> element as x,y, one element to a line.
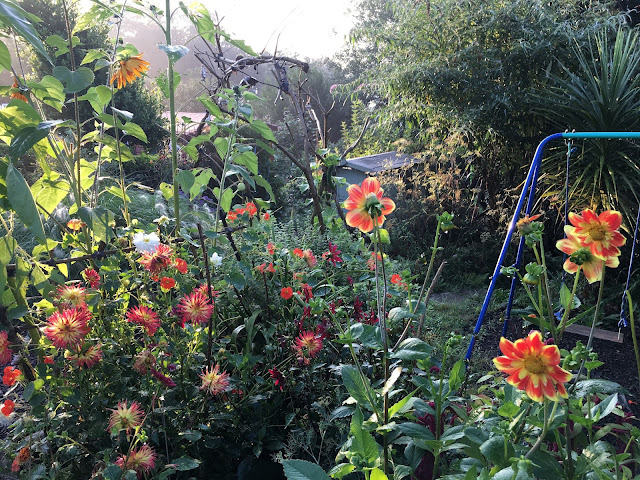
<point>602,94</point>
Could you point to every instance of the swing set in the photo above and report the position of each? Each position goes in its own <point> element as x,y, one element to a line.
<point>528,194</point>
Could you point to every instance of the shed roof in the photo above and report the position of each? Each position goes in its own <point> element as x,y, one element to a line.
<point>381,162</point>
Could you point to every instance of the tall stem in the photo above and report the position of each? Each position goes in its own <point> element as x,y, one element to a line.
<point>545,426</point>
<point>567,310</point>
<point>434,249</point>
<point>593,325</point>
<point>382,318</point>
<point>633,334</point>
<point>172,118</point>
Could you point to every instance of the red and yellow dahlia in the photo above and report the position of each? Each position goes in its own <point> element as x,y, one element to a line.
<point>125,417</point>
<point>85,358</point>
<point>158,260</point>
<point>144,316</point>
<point>599,232</point>
<point>92,277</point>
<point>72,295</point>
<point>591,265</point>
<point>533,367</point>
<point>68,328</point>
<point>307,346</point>
<point>213,381</point>
<point>195,308</point>
<point>141,460</point>
<point>367,207</point>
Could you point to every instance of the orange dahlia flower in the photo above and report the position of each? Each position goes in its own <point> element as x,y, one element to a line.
<point>68,328</point>
<point>367,207</point>
<point>599,232</point>
<point>591,265</point>
<point>533,367</point>
<point>141,460</point>
<point>129,69</point>
<point>125,417</point>
<point>195,308</point>
<point>17,92</point>
<point>85,358</point>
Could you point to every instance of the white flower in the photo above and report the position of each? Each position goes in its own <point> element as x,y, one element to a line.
<point>146,242</point>
<point>216,260</point>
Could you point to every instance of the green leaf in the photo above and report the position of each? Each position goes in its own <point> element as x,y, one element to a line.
<point>377,474</point>
<point>266,185</point>
<point>21,199</point>
<point>416,431</point>
<point>174,52</point>
<point>227,198</point>
<point>412,349</point>
<point>263,129</point>
<point>59,43</point>
<point>167,190</point>
<point>508,410</point>
<point>596,385</point>
<point>11,15</point>
<point>397,314</point>
<point>163,82</point>
<point>363,445</point>
<point>98,97</point>
<point>355,385</point>
<point>99,220</point>
<point>134,130</point>
<point>26,138</point>
<point>5,57</point>
<point>185,463</point>
<point>605,407</point>
<point>186,180</point>
<point>50,91</point>
<point>8,247</point>
<point>128,116</point>
<point>303,470</point>
<point>222,146</point>
<point>74,81</point>
<point>49,191</point>
<point>497,450</point>
<point>341,470</point>
<point>249,160</point>
<point>211,107</point>
<point>92,55</point>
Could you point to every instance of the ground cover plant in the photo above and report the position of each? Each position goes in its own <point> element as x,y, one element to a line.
<point>230,346</point>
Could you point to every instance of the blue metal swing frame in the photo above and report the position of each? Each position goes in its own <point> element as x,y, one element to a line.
<point>528,192</point>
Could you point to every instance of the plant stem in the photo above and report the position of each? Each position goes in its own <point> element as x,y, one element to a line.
<point>545,426</point>
<point>567,310</point>
<point>172,118</point>
<point>633,333</point>
<point>382,318</point>
<point>434,249</point>
<point>438,402</point>
<point>593,325</point>
<point>545,284</point>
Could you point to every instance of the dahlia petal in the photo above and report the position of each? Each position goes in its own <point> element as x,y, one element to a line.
<point>355,196</point>
<point>612,218</point>
<point>534,390</point>
<point>549,391</point>
<point>388,205</point>
<point>575,219</point>
<point>370,185</point>
<point>569,266</point>
<point>618,239</point>
<point>589,216</point>
<point>559,375</point>
<point>535,341</point>
<point>567,246</point>
<point>562,391</point>
<point>359,219</point>
<point>613,262</point>
<point>508,348</point>
<point>592,270</point>
<point>551,354</point>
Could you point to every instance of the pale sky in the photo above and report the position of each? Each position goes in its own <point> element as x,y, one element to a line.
<point>311,28</point>
<point>308,28</point>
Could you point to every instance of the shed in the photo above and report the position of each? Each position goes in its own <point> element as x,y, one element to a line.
<point>355,170</point>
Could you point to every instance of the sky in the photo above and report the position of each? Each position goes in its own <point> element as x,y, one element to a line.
<point>309,28</point>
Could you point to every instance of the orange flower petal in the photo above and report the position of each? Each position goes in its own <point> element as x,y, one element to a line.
<point>370,185</point>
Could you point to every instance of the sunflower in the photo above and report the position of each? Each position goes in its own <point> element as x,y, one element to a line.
<point>533,367</point>
<point>129,69</point>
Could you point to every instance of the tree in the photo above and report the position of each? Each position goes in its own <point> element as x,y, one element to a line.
<point>453,78</point>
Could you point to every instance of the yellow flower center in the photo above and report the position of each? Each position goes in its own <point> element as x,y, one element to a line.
<point>535,364</point>
<point>597,232</point>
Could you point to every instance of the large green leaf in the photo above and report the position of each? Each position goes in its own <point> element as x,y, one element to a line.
<point>28,136</point>
<point>363,445</point>
<point>49,191</point>
<point>355,385</point>
<point>22,202</point>
<point>13,16</point>
<point>98,97</point>
<point>5,57</point>
<point>8,247</point>
<point>99,220</point>
<point>263,129</point>
<point>303,470</point>
<point>134,130</point>
<point>412,349</point>
<point>74,81</point>
<point>174,52</point>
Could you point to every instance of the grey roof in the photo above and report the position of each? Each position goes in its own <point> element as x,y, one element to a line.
<point>381,162</point>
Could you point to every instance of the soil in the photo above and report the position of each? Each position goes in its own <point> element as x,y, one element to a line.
<point>619,358</point>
